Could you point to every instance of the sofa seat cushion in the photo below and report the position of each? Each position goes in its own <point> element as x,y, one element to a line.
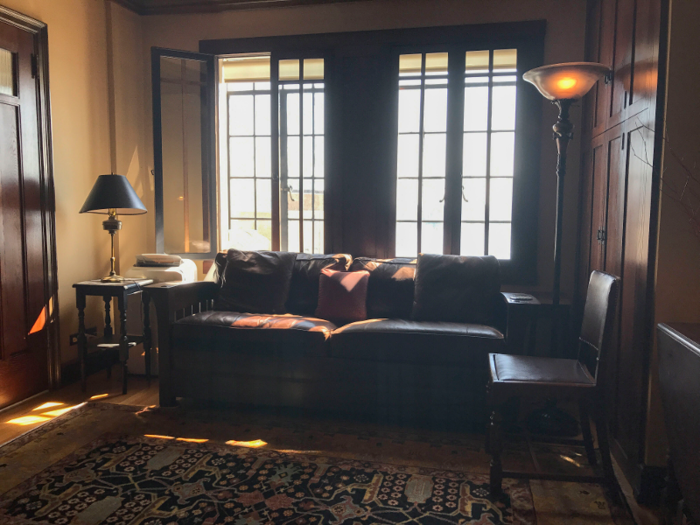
<point>417,342</point>
<point>244,331</point>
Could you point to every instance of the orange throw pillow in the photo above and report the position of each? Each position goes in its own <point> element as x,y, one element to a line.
<point>342,296</point>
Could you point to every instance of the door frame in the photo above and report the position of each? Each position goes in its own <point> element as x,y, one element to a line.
<point>48,212</point>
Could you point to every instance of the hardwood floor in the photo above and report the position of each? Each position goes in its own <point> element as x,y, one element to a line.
<point>20,418</point>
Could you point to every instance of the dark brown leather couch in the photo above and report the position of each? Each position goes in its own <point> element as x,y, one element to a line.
<point>389,367</point>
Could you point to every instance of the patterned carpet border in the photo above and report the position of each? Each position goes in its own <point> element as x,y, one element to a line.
<point>518,492</point>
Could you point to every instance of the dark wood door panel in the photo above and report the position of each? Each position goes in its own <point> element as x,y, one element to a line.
<point>605,55</point>
<point>635,340</point>
<point>623,58</point>
<point>23,257</point>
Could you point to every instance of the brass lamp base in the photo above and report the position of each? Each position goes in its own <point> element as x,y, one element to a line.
<point>113,279</point>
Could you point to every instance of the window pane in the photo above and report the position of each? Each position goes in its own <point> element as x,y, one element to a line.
<point>253,68</point>
<point>499,240</point>
<point>313,69</point>
<point>436,63</point>
<point>409,111</point>
<point>242,198</point>
<point>318,198</point>
<point>293,198</point>
<point>505,60</point>
<point>308,156</point>
<point>319,157</point>
<point>435,116</point>
<point>241,115</point>
<point>406,239</point>
<point>242,235</point>
<point>242,154</point>
<point>292,236</point>
<point>319,113</point>
<point>308,113</point>
<point>293,113</point>
<point>476,108</point>
<point>293,157</point>
<point>289,70</point>
<point>434,152</point>
<point>502,154</point>
<point>7,73</point>
<point>263,198</point>
<point>410,64</point>
<point>408,156</point>
<point>501,200</point>
<point>434,200</point>
<point>263,161</point>
<point>431,238</point>
<point>472,238</point>
<point>474,207</point>
<point>318,237</point>
<point>308,237</point>
<point>474,156</point>
<point>407,199</point>
<point>262,114</point>
<point>477,61</point>
<point>503,113</point>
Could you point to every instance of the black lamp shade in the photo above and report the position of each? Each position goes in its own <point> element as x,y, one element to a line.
<point>113,192</point>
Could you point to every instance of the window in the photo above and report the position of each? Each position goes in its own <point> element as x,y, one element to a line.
<point>375,143</point>
<point>487,155</point>
<point>252,201</point>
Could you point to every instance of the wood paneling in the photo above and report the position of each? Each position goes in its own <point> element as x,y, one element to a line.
<point>618,197</point>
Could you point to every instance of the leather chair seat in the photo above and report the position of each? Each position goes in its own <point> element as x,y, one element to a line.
<point>514,374</point>
<point>416,342</point>
<point>239,330</point>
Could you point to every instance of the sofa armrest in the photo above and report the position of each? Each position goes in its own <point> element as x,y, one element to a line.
<point>173,301</point>
<point>520,314</point>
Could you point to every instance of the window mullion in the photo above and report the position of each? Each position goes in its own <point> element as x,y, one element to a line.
<point>275,153</point>
<point>301,156</point>
<point>284,172</point>
<point>420,154</point>
<point>488,155</point>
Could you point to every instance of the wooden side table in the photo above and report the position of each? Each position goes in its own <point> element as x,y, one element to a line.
<point>121,290</point>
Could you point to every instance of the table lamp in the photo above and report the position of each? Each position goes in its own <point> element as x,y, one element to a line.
<point>563,84</point>
<point>113,195</point>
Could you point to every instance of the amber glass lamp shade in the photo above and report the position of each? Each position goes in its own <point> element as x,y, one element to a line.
<point>570,81</point>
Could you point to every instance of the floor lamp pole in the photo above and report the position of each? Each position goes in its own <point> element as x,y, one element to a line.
<point>563,133</point>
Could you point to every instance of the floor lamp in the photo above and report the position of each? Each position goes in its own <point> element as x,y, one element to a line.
<point>563,84</point>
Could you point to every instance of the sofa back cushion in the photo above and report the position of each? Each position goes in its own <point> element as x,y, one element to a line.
<point>303,291</point>
<point>254,282</point>
<point>390,287</point>
<point>456,289</point>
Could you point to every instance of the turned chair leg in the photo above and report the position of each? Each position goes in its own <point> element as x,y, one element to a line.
<point>495,446</point>
<point>586,432</point>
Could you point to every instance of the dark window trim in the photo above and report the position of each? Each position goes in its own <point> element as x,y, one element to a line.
<point>527,37</point>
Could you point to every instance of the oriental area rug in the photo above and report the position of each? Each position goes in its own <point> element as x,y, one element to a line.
<point>103,463</point>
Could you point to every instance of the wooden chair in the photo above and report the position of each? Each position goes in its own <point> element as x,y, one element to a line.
<point>538,378</point>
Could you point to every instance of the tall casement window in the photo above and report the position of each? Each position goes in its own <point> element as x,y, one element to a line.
<point>479,141</point>
<point>265,203</point>
<point>376,143</point>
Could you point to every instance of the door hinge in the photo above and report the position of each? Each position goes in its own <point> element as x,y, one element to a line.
<point>35,66</point>
<point>601,236</point>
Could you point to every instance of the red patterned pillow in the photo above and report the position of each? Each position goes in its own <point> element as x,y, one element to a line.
<point>342,296</point>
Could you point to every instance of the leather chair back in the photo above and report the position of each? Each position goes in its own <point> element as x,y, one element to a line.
<point>598,323</point>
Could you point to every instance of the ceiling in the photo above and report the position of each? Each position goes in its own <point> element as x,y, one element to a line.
<point>161,7</point>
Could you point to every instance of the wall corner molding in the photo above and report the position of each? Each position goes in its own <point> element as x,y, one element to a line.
<point>172,7</point>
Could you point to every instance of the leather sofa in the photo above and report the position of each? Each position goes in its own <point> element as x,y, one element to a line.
<point>389,367</point>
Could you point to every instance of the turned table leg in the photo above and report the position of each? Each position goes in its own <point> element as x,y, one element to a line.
<point>82,339</point>
<point>123,341</point>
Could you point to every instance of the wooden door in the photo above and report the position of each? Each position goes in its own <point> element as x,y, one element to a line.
<point>24,265</point>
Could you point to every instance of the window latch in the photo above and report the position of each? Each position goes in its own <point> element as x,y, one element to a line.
<point>288,189</point>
